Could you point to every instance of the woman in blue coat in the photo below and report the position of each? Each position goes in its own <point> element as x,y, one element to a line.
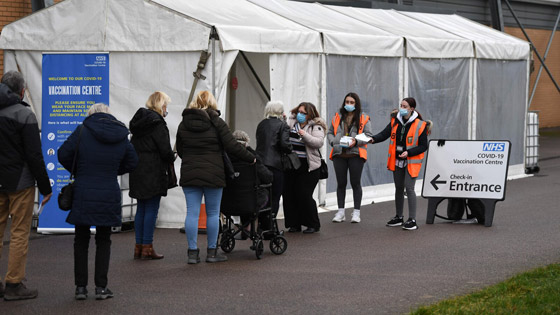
<point>103,153</point>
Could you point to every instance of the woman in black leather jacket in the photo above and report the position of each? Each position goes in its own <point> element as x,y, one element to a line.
<point>273,140</point>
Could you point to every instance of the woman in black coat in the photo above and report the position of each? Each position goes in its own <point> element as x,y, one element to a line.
<point>273,140</point>
<point>103,153</point>
<point>202,137</point>
<point>148,182</point>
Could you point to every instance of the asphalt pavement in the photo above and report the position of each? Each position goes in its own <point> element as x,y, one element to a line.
<point>364,268</point>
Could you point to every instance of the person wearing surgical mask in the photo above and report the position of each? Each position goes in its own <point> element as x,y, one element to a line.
<point>409,140</point>
<point>348,153</point>
<point>307,134</point>
<point>149,182</point>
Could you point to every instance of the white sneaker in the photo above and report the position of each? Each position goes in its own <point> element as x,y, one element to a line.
<point>339,217</point>
<point>356,217</point>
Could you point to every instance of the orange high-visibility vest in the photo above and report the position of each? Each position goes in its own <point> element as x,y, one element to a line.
<point>363,120</point>
<point>414,162</point>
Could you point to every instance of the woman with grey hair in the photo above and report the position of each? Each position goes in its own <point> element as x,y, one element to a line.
<point>273,140</point>
<point>102,151</point>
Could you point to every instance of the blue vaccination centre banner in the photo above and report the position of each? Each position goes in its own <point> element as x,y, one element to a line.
<point>71,84</point>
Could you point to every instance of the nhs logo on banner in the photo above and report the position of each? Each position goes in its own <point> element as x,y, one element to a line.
<point>493,146</point>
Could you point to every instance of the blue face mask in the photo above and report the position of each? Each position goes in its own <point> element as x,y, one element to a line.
<point>403,112</point>
<point>301,118</point>
<point>349,108</point>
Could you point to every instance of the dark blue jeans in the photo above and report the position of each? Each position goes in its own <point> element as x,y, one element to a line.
<point>145,220</point>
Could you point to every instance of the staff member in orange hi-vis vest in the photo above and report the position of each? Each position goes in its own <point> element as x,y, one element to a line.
<point>348,153</point>
<point>409,140</point>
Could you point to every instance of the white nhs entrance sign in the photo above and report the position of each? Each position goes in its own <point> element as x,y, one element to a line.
<point>466,169</point>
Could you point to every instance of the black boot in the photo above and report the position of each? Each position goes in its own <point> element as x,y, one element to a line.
<point>194,258</point>
<point>213,256</point>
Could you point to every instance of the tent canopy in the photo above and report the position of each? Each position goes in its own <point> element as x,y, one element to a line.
<point>108,25</point>
<point>242,25</point>
<point>342,34</point>
<point>423,40</point>
<point>265,26</point>
<point>489,43</point>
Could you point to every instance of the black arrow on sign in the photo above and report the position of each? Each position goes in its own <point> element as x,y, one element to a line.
<point>436,181</point>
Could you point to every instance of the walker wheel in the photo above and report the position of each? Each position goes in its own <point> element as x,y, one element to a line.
<point>227,242</point>
<point>259,248</point>
<point>278,245</point>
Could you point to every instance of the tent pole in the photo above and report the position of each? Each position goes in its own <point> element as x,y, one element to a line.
<point>214,66</point>
<point>534,48</point>
<point>545,54</point>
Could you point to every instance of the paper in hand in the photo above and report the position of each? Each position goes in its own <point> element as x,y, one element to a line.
<point>363,137</point>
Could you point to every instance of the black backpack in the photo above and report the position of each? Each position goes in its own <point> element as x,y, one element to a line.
<point>476,208</point>
<point>456,208</point>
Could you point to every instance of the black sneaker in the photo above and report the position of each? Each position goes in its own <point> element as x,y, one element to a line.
<point>103,293</point>
<point>395,221</point>
<point>410,224</point>
<point>81,293</point>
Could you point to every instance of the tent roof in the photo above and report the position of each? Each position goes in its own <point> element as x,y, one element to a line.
<point>272,26</point>
<point>110,25</point>
<point>489,43</point>
<point>422,40</point>
<point>242,25</point>
<point>341,34</point>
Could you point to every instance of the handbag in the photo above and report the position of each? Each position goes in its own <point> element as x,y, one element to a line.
<point>171,176</point>
<point>66,194</point>
<point>323,169</point>
<point>228,166</point>
<point>229,171</point>
<point>290,162</point>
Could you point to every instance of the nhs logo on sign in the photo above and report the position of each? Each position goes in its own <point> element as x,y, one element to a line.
<point>493,146</point>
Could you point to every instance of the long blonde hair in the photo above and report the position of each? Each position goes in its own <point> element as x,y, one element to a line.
<point>156,101</point>
<point>204,100</point>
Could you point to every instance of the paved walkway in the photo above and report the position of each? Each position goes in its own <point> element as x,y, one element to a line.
<point>363,268</point>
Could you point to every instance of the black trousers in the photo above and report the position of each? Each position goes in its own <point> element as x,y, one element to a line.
<point>299,206</point>
<point>343,166</point>
<point>277,188</point>
<point>102,255</point>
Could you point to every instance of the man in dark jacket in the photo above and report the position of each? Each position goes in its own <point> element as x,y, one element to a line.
<point>21,164</point>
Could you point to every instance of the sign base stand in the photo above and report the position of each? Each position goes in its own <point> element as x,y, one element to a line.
<point>489,206</point>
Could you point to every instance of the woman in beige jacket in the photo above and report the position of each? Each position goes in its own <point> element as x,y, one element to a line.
<point>307,134</point>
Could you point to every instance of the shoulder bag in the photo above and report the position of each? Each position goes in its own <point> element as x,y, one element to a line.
<point>66,194</point>
<point>228,166</point>
<point>323,169</point>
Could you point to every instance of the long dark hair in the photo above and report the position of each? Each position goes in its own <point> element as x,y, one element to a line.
<point>357,112</point>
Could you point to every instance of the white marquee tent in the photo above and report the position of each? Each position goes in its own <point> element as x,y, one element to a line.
<point>462,73</point>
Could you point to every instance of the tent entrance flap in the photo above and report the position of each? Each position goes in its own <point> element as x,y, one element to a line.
<point>248,97</point>
<point>264,89</point>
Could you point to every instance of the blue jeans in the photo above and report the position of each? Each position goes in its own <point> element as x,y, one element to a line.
<point>212,199</point>
<point>145,219</point>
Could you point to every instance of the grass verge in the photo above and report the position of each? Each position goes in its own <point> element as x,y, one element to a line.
<point>533,292</point>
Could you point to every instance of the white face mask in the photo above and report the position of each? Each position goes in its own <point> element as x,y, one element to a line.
<point>165,113</point>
